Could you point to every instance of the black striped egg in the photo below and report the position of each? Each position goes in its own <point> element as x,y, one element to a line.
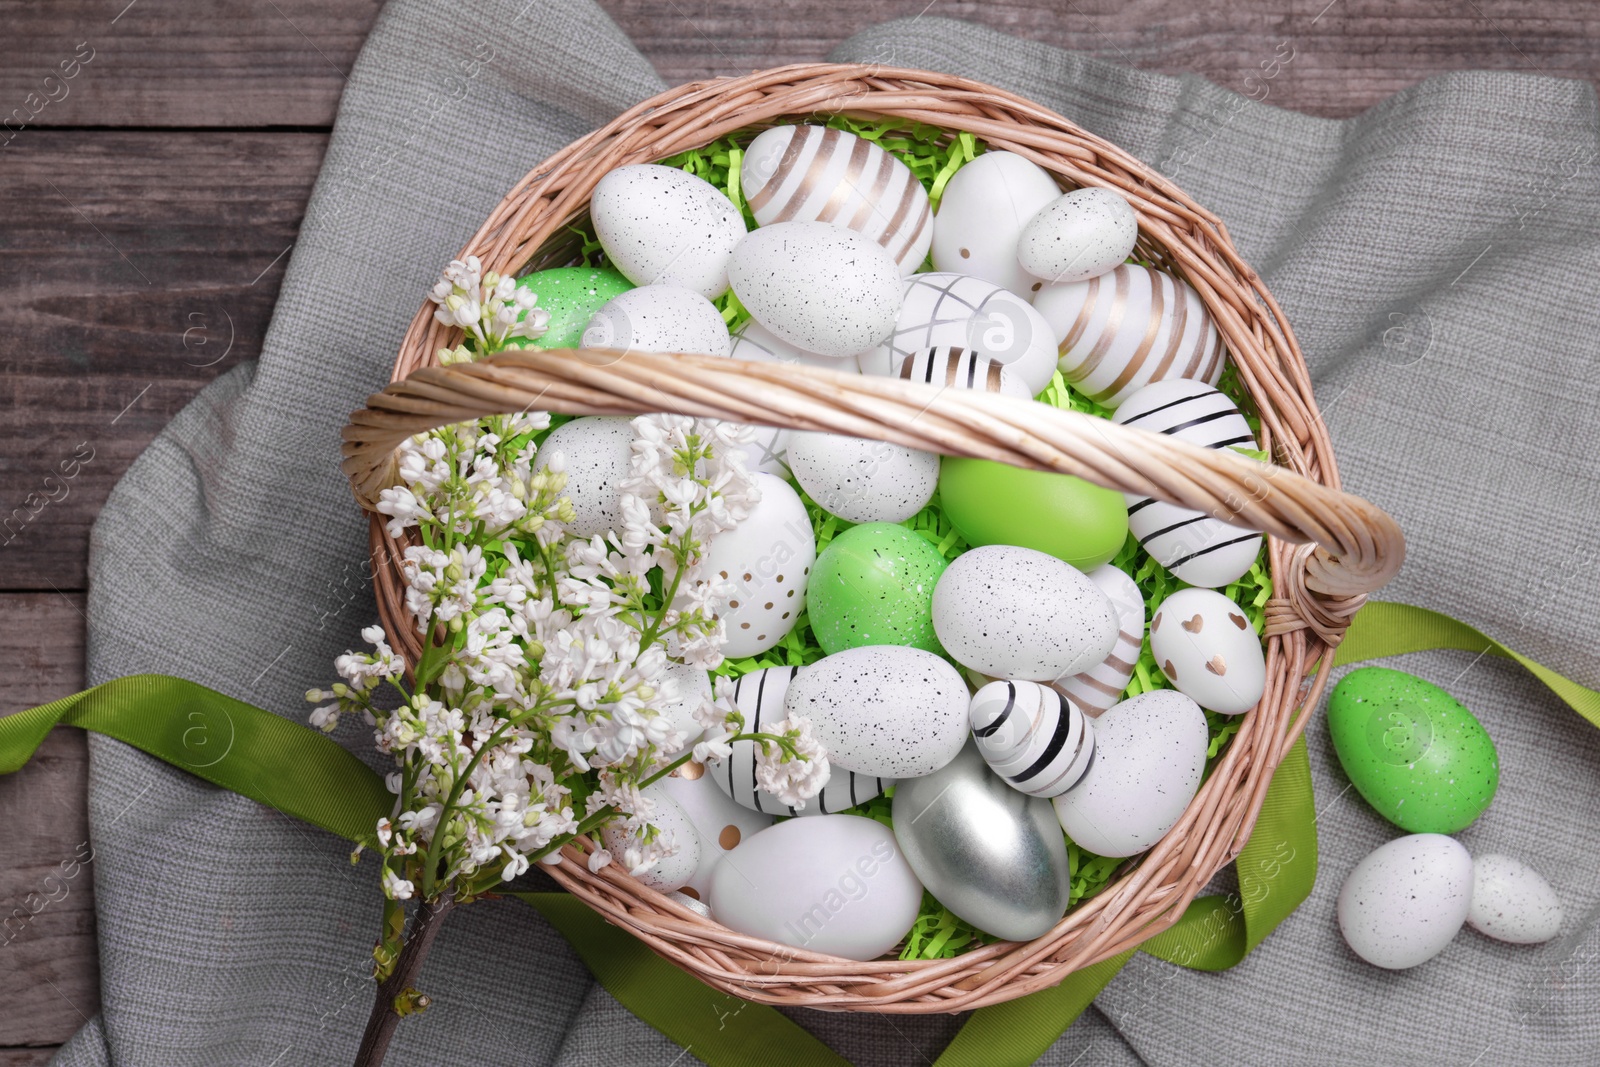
<point>1100,687</point>
<point>956,367</point>
<point>816,174</point>
<point>941,308</point>
<point>1032,736</point>
<point>759,695</point>
<point>1131,326</point>
<point>1198,548</point>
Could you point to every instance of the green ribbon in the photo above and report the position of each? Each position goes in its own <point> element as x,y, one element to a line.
<point>304,773</point>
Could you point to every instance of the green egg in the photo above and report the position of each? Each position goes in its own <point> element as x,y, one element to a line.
<point>998,504</point>
<point>873,585</point>
<point>1416,755</point>
<point>572,295</point>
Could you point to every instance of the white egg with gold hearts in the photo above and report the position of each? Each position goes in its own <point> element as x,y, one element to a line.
<point>1200,549</point>
<point>1207,647</point>
<point>1129,327</point>
<point>809,173</point>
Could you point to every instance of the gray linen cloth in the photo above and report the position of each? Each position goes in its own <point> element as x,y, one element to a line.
<point>1438,258</point>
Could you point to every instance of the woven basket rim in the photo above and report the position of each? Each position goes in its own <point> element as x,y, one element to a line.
<point>1313,597</point>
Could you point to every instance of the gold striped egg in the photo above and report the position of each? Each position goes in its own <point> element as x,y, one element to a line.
<point>817,174</point>
<point>1122,330</point>
<point>1099,688</point>
<point>956,367</point>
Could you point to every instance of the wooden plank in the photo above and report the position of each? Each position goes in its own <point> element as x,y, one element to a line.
<point>49,972</point>
<point>26,1057</point>
<point>283,62</point>
<point>248,63</point>
<point>144,265</point>
<point>1348,54</point>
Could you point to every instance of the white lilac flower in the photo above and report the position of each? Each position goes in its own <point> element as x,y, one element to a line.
<point>792,776</point>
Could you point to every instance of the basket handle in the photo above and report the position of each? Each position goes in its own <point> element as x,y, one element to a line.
<point>1348,547</point>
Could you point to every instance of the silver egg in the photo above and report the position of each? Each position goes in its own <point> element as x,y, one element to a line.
<point>992,855</point>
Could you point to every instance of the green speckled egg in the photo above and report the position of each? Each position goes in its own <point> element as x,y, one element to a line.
<point>1419,757</point>
<point>873,585</point>
<point>572,295</point>
<point>997,504</point>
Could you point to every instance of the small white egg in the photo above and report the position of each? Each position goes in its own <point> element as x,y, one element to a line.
<point>861,480</point>
<point>983,212</point>
<point>890,711</point>
<point>597,453</point>
<point>809,173</point>
<point>1512,902</point>
<point>1206,647</point>
<point>1078,236</point>
<point>943,309</point>
<point>1402,904</point>
<point>768,558</point>
<point>1010,612</point>
<point>659,318</point>
<point>821,287</point>
<point>661,225</point>
<point>1150,753</point>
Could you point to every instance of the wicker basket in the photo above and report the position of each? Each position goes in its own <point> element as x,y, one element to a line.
<point>1327,549</point>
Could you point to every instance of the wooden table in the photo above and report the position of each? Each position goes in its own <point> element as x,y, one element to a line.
<point>155,185</point>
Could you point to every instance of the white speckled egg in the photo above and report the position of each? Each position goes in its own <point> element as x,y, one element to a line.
<point>953,309</point>
<point>1401,905</point>
<point>983,212</point>
<point>1078,236</point>
<point>597,452</point>
<point>887,710</point>
<point>1149,753</point>
<point>817,174</point>
<point>1207,648</point>
<point>1011,612</point>
<point>661,225</point>
<point>820,287</point>
<point>1032,736</point>
<point>1512,902</point>
<point>955,367</point>
<point>670,872</point>
<point>1201,549</point>
<point>687,688</point>
<point>659,318</point>
<point>1101,686</point>
<point>835,884</point>
<point>861,480</point>
<point>760,696</point>
<point>1128,327</point>
<point>718,823</point>
<point>768,557</point>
